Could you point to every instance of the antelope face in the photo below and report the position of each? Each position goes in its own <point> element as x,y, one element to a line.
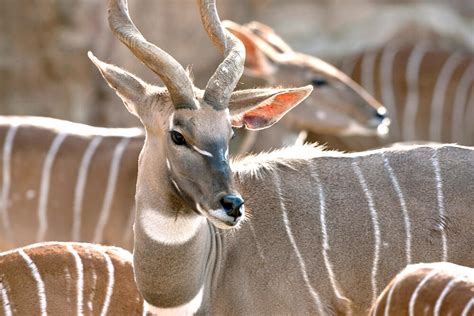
<point>191,139</point>
<point>338,105</point>
<point>197,148</point>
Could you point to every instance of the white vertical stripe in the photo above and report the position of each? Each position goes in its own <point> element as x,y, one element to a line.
<point>408,125</point>
<point>7,152</point>
<point>444,293</point>
<point>468,307</point>
<point>440,200</point>
<point>39,281</point>
<point>80,185</point>
<point>469,127</point>
<point>325,239</point>
<point>460,102</point>
<point>386,86</point>
<point>7,307</point>
<point>367,73</point>
<point>439,94</point>
<point>312,291</point>
<point>375,223</point>
<point>80,279</point>
<point>414,296</point>
<point>406,215</point>
<point>257,244</point>
<point>109,193</point>
<point>110,284</point>
<point>388,303</point>
<point>45,182</point>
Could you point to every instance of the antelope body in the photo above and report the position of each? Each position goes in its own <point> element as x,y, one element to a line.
<point>66,181</point>
<point>329,230</point>
<point>428,289</point>
<point>68,279</point>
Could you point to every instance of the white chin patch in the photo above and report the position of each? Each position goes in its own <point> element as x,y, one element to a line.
<point>167,229</point>
<point>219,218</point>
<point>187,309</point>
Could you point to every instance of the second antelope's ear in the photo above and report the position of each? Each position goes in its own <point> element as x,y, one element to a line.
<point>128,87</point>
<point>261,108</point>
<point>257,62</point>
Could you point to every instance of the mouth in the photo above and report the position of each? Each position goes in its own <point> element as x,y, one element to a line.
<point>220,219</point>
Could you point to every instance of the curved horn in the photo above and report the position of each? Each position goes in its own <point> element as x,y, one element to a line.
<point>170,71</point>
<point>225,78</point>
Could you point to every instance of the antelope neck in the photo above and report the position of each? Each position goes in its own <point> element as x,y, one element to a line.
<point>175,250</point>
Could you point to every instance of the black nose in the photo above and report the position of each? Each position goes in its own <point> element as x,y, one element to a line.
<point>232,205</point>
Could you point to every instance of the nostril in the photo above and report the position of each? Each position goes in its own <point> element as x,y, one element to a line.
<point>232,204</point>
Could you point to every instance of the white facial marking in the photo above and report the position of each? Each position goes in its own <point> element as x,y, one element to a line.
<point>187,309</point>
<point>169,230</point>
<point>375,223</point>
<point>168,165</point>
<point>6,179</point>
<point>80,279</point>
<point>202,152</point>
<point>110,284</point>
<point>45,182</point>
<point>314,294</point>
<point>39,281</point>
<point>80,186</point>
<point>7,308</point>
<point>171,125</point>
<point>110,191</point>
<point>440,200</point>
<point>176,185</point>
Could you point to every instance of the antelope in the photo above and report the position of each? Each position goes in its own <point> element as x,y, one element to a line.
<point>427,91</point>
<point>329,109</point>
<point>439,288</point>
<point>295,231</point>
<point>71,182</point>
<point>66,181</point>
<point>56,278</point>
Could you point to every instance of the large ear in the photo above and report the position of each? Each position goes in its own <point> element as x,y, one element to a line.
<point>261,108</point>
<point>128,87</point>
<point>257,61</point>
<point>268,35</point>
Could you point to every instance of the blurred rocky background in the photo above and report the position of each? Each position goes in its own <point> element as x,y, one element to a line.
<point>44,69</point>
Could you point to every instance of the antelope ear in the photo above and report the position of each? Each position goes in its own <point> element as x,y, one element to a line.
<point>268,35</point>
<point>128,87</point>
<point>261,108</point>
<point>257,63</point>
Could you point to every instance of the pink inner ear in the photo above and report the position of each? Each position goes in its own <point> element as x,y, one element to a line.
<point>267,113</point>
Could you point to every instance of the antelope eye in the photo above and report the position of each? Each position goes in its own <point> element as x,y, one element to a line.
<point>318,82</point>
<point>177,138</point>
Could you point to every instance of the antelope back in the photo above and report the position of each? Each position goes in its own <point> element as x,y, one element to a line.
<point>66,279</point>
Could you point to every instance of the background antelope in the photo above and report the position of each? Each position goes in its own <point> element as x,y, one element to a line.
<point>66,181</point>
<point>269,57</point>
<point>427,90</point>
<point>317,218</point>
<point>68,279</point>
<point>439,288</point>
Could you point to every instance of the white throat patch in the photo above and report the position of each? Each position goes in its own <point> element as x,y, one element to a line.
<point>169,230</point>
<point>187,309</point>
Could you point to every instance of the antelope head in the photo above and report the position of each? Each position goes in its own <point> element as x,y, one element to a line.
<point>188,130</point>
<point>338,105</point>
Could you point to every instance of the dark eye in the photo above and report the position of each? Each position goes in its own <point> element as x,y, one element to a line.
<point>177,138</point>
<point>318,82</point>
